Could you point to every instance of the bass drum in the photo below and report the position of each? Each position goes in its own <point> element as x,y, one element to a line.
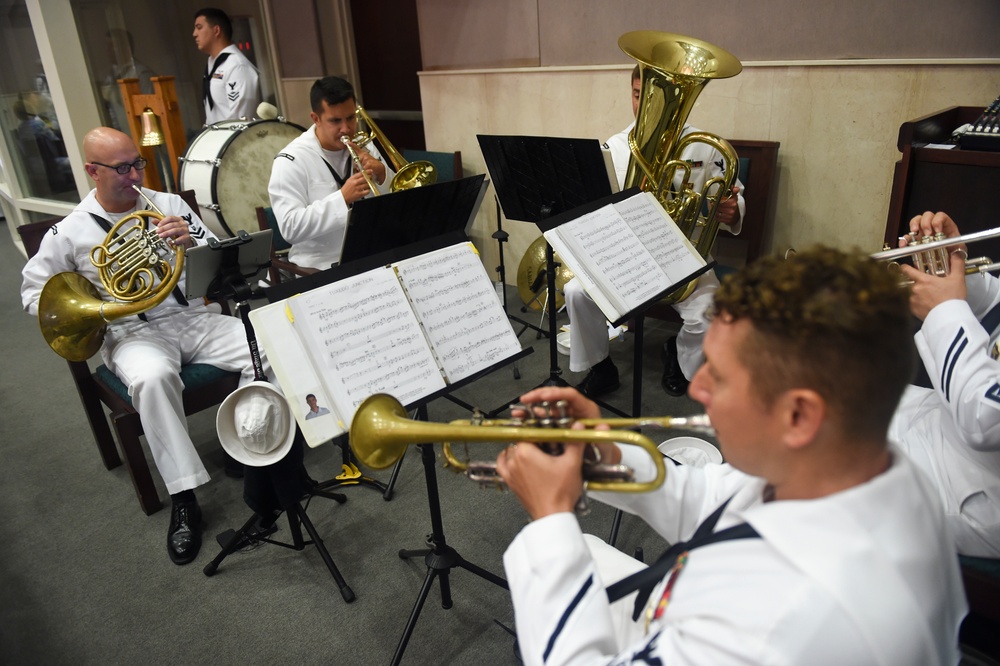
<point>228,166</point>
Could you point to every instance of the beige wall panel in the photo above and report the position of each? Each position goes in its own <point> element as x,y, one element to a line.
<point>478,33</point>
<point>837,126</point>
<point>296,94</point>
<point>461,34</point>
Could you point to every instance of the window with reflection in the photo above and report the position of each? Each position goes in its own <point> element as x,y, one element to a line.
<point>27,116</point>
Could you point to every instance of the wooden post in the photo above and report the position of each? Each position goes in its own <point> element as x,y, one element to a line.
<point>163,102</point>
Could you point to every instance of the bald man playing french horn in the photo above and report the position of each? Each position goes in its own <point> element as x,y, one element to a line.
<point>146,351</point>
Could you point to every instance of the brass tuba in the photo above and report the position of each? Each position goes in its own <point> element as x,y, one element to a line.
<point>134,270</point>
<point>408,174</point>
<point>673,70</point>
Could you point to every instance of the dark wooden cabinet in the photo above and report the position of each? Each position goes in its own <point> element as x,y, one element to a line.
<point>963,183</point>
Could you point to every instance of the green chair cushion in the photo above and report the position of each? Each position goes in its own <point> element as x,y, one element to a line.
<point>193,376</point>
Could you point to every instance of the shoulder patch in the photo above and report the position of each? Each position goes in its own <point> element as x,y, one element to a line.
<point>286,156</point>
<point>993,394</point>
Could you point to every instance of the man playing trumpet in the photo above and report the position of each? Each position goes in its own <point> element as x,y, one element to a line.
<point>952,430</point>
<point>146,351</point>
<point>816,543</point>
<point>313,182</point>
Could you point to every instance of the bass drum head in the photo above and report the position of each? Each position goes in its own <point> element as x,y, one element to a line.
<point>238,185</point>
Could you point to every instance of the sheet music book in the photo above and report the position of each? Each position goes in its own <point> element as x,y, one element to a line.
<point>408,329</point>
<point>626,253</point>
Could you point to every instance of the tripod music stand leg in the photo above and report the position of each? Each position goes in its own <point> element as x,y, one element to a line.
<point>389,487</point>
<point>414,616</point>
<point>616,523</point>
<point>212,566</point>
<point>297,513</point>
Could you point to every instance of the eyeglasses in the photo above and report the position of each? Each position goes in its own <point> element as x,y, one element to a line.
<point>123,169</point>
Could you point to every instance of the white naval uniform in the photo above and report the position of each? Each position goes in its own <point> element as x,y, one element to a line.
<point>147,356</point>
<point>952,432</point>
<point>862,576</point>
<point>235,88</point>
<point>588,331</point>
<point>307,202</point>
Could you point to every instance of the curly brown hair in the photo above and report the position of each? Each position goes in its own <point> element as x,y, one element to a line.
<point>831,321</point>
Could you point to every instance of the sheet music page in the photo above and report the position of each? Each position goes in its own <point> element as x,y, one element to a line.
<point>660,235</point>
<point>365,339</point>
<point>614,257</point>
<point>296,374</point>
<point>459,309</point>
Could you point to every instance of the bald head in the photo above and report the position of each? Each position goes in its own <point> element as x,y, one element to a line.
<point>101,141</point>
<point>105,149</point>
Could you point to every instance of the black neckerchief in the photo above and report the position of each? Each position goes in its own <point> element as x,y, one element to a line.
<point>333,172</point>
<point>206,80</point>
<point>646,580</point>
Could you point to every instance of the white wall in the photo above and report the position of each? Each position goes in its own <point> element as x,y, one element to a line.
<point>837,124</point>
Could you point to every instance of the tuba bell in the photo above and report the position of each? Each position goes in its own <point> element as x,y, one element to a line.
<point>408,174</point>
<point>134,268</point>
<point>673,70</point>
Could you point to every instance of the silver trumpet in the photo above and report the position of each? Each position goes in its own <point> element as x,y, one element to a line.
<point>931,254</point>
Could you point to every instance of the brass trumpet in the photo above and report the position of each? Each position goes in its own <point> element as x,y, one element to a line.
<point>133,268</point>
<point>931,253</point>
<point>381,431</point>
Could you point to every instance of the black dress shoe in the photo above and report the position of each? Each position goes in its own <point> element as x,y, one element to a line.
<point>673,381</point>
<point>184,535</point>
<point>602,378</point>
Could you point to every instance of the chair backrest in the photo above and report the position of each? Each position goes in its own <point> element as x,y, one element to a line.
<point>759,175</point>
<point>266,220</point>
<point>32,234</point>
<point>449,165</point>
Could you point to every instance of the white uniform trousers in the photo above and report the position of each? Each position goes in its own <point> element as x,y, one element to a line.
<point>588,332</point>
<point>147,357</point>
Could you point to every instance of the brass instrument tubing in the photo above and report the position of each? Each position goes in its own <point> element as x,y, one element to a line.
<point>357,160</point>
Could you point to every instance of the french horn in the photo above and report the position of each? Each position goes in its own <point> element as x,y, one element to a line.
<point>133,266</point>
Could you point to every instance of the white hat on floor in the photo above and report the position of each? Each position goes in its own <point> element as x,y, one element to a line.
<point>255,424</point>
<point>691,451</point>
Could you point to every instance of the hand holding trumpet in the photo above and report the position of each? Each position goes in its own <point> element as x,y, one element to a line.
<point>369,173</point>
<point>545,483</point>
<point>927,290</point>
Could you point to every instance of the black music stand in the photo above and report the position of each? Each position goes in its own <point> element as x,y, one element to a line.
<point>281,486</point>
<point>637,315</point>
<point>382,223</point>
<point>440,558</point>
<point>390,228</point>
<point>535,178</point>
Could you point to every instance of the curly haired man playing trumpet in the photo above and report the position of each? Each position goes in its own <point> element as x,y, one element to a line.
<point>817,542</point>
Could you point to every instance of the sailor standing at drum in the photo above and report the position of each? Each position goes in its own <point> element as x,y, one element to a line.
<point>230,85</point>
<point>312,181</point>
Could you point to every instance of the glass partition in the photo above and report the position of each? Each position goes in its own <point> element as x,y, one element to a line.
<point>28,119</point>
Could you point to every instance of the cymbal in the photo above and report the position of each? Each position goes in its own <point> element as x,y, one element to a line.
<point>532,263</point>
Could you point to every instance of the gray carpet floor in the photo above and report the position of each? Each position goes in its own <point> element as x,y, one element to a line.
<point>86,579</point>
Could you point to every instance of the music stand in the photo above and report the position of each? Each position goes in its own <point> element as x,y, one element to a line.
<point>440,558</point>
<point>389,228</point>
<point>386,222</point>
<point>536,177</point>
<point>278,487</point>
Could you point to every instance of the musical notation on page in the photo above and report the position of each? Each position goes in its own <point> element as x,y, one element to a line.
<point>364,335</point>
<point>458,306</point>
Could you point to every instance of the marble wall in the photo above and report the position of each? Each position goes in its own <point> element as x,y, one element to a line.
<point>837,124</point>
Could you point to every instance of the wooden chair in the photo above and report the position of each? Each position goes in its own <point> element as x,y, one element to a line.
<point>204,386</point>
<point>449,165</point>
<point>279,249</point>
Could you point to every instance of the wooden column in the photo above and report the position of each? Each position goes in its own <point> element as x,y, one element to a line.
<point>163,102</point>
